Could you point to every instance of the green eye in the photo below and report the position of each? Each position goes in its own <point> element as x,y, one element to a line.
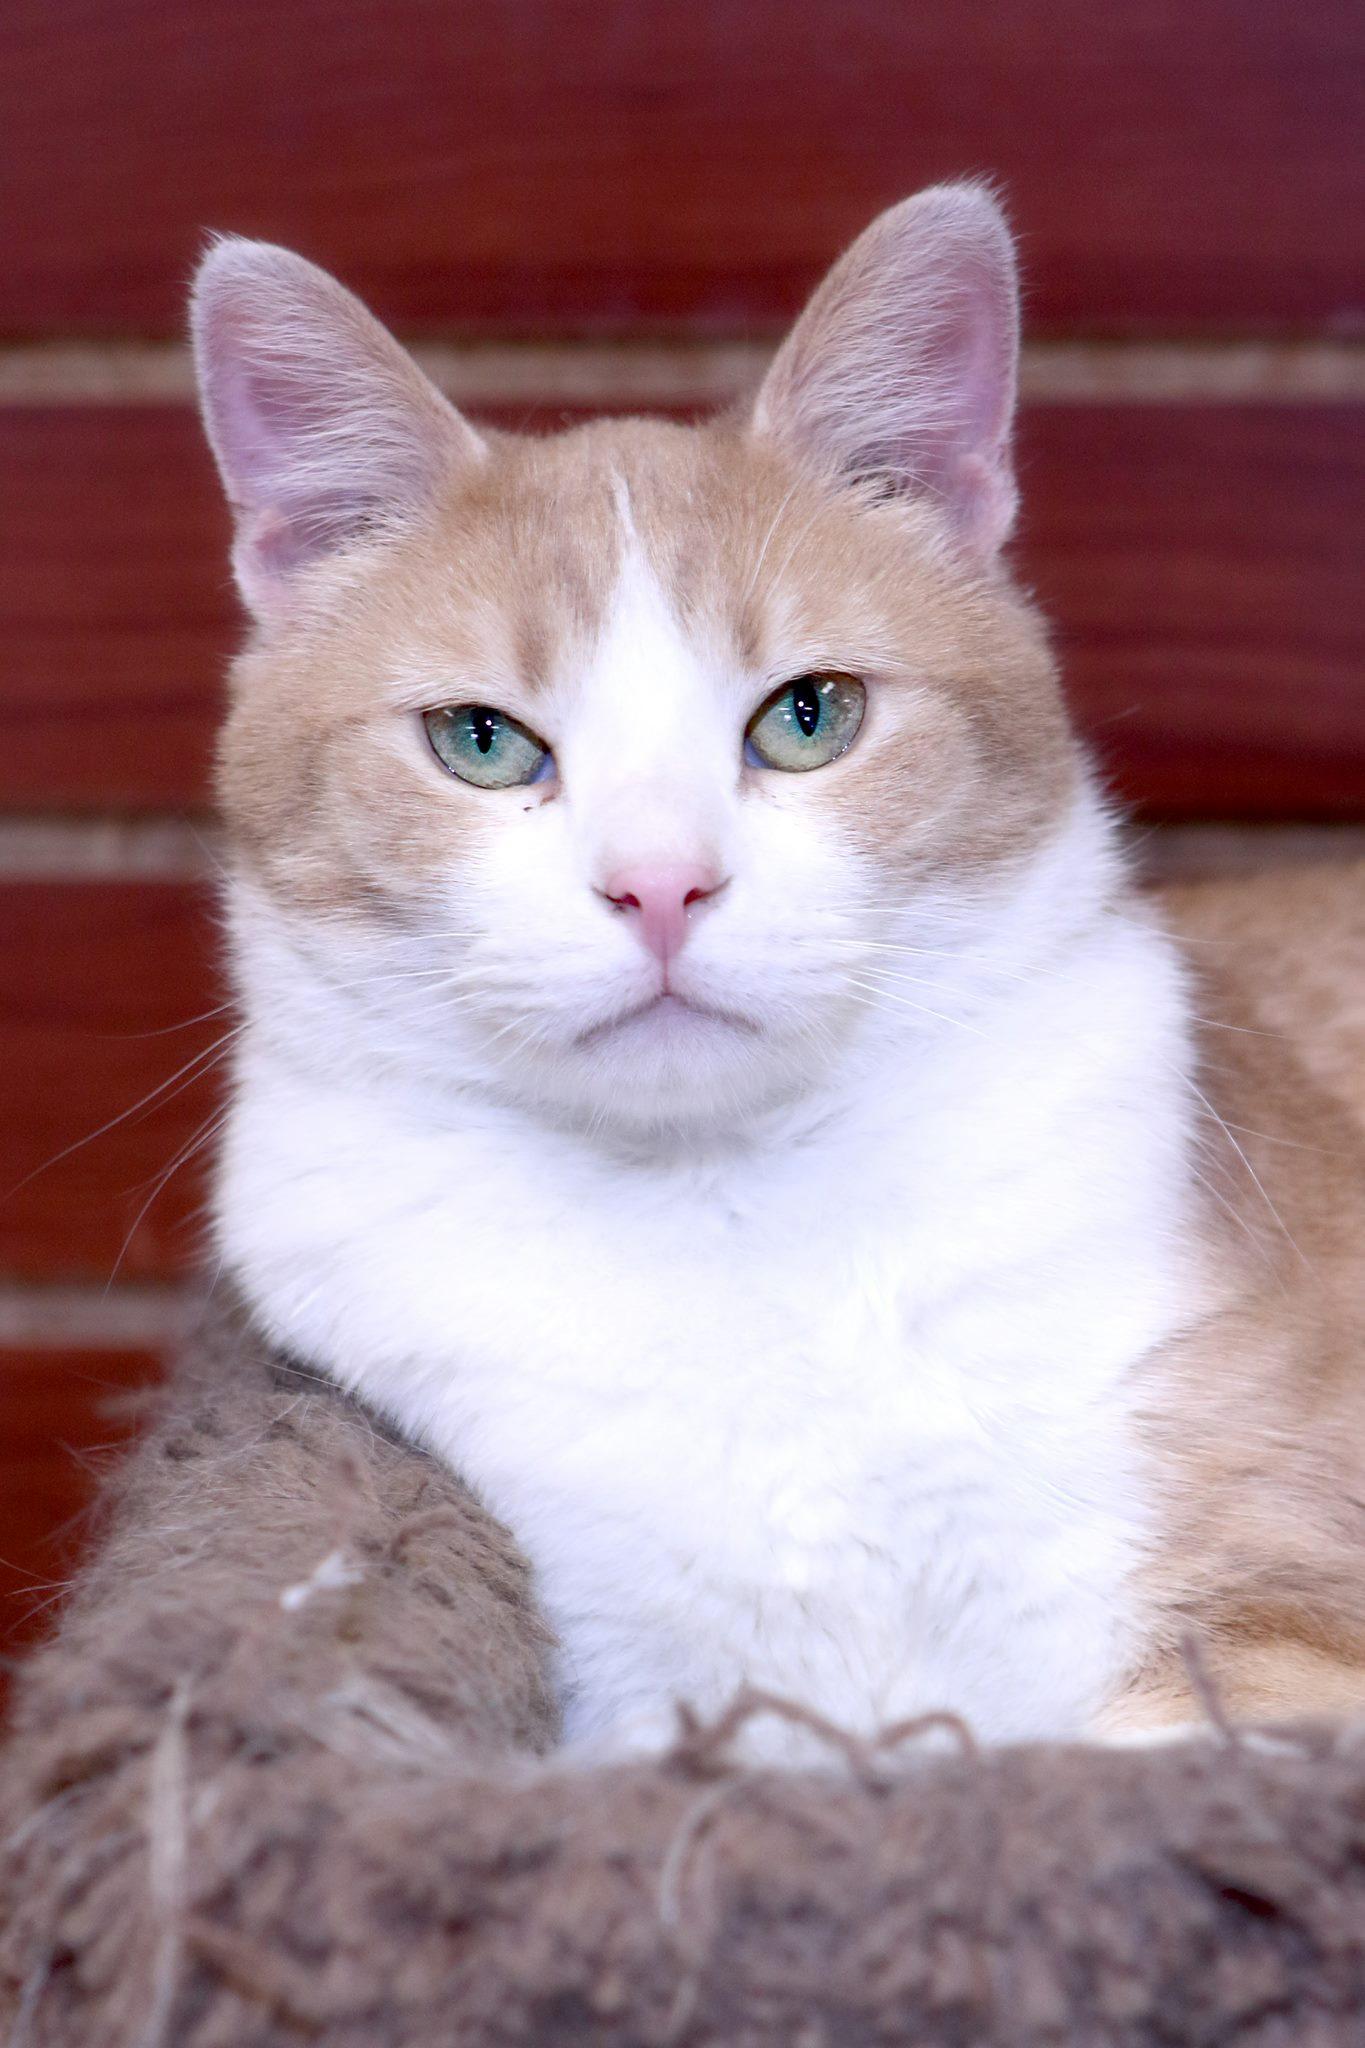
<point>486,747</point>
<point>806,724</point>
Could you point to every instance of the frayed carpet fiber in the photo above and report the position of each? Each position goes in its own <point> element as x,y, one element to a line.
<point>286,1774</point>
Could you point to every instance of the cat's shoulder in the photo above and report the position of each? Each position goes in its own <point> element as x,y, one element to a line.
<point>1282,953</point>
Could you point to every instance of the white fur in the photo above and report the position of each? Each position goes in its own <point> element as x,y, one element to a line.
<point>800,1351</point>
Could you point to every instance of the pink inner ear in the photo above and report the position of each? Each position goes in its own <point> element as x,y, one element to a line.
<point>279,543</point>
<point>323,428</point>
<point>315,454</point>
<point>981,501</point>
<point>902,368</point>
<point>959,446</point>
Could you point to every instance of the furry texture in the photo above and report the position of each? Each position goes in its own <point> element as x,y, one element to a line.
<point>894,1295</point>
<point>325,432</point>
<point>902,369</point>
<point>250,1802</point>
<point>1258,1413</point>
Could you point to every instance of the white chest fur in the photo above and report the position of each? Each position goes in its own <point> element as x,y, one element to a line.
<point>845,1411</point>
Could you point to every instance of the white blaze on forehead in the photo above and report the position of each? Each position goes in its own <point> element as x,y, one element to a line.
<point>651,758</point>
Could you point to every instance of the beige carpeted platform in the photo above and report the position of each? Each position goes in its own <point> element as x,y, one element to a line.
<point>276,1781</point>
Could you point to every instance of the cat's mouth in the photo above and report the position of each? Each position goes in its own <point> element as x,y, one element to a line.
<point>667,1011</point>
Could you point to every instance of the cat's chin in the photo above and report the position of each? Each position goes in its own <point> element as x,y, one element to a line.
<point>670,1019</point>
<point>671,1063</point>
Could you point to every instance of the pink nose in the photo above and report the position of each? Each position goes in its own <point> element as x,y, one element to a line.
<point>659,900</point>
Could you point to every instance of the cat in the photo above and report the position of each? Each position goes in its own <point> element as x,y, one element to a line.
<point>707,1070</point>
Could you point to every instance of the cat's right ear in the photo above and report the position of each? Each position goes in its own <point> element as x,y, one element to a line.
<point>324,429</point>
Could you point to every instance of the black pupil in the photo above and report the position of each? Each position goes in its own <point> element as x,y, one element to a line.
<point>806,705</point>
<point>483,724</point>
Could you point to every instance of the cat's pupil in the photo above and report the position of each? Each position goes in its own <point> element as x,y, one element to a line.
<point>484,725</point>
<point>806,705</point>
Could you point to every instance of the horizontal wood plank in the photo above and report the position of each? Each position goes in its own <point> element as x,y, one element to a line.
<point>1201,564</point>
<point>607,163</point>
<point>64,1414</point>
<point>107,1076</point>
<point>116,607</point>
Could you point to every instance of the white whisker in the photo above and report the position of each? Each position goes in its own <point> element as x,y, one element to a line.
<point>922,1008</point>
<point>1255,1178</point>
<point>165,1091</point>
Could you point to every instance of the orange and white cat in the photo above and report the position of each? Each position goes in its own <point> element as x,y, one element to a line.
<point>707,1070</point>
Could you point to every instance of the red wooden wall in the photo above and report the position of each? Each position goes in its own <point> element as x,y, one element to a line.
<point>664,176</point>
<point>1176,165</point>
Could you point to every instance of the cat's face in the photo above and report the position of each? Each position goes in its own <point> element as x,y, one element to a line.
<point>643,774</point>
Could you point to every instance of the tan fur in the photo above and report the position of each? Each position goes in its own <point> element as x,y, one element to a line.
<point>496,587</point>
<point>1257,1418</point>
<point>503,589</point>
<point>1294,940</point>
<point>324,777</point>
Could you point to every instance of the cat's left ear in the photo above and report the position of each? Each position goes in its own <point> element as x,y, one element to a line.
<point>902,369</point>
<point>325,430</point>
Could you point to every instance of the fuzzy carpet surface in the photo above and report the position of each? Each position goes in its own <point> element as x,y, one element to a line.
<point>285,1775</point>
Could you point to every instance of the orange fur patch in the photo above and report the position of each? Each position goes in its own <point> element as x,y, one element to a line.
<point>503,590</point>
<point>1257,1417</point>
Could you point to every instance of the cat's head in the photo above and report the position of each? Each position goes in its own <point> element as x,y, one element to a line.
<point>646,773</point>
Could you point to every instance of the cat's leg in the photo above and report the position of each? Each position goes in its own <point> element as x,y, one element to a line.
<point>1252,1683</point>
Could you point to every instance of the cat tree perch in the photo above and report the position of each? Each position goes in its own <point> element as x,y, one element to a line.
<point>282,1777</point>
